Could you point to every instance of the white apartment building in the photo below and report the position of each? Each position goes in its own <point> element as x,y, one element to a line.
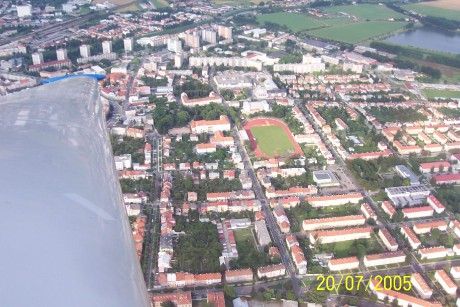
<point>418,212</point>
<point>411,237</point>
<point>331,236</point>
<point>271,271</point>
<point>446,282</point>
<point>122,162</point>
<point>388,240</point>
<point>334,200</point>
<point>384,258</point>
<point>349,263</point>
<point>433,252</point>
<point>230,61</point>
<point>419,284</point>
<point>333,222</point>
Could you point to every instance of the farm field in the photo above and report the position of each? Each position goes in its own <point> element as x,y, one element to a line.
<point>295,22</point>
<point>443,4</point>
<point>429,8</point>
<point>117,2</point>
<point>366,11</point>
<point>433,93</point>
<point>357,32</point>
<point>272,141</point>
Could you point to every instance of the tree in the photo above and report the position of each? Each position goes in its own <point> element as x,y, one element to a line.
<point>167,304</point>
<point>229,291</point>
<point>290,295</point>
<point>435,234</point>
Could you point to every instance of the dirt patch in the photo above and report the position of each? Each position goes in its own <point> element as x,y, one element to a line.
<point>444,4</point>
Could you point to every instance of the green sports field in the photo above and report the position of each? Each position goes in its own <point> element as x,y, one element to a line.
<point>433,93</point>
<point>272,141</point>
<point>357,32</point>
<point>433,11</point>
<point>365,11</point>
<point>295,22</point>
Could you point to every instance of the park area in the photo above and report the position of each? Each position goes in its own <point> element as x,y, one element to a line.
<point>295,22</point>
<point>271,138</point>
<point>448,9</point>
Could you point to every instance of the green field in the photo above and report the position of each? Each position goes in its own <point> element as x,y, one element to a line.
<point>433,93</point>
<point>295,22</point>
<point>433,11</point>
<point>272,141</point>
<point>365,11</point>
<point>357,32</point>
<point>160,3</point>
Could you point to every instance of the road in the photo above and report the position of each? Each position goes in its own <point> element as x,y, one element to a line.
<point>276,235</point>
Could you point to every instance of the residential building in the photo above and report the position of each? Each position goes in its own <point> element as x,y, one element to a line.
<point>180,299</point>
<point>349,263</point>
<point>128,44</point>
<point>388,208</point>
<point>455,272</point>
<point>411,237</point>
<point>211,126</point>
<point>434,167</point>
<point>419,284</point>
<point>433,252</point>
<point>368,212</point>
<point>213,98</point>
<point>426,227</point>
<point>388,240</point>
<point>418,212</point>
<point>106,47</point>
<point>334,200</point>
<point>271,271</point>
<point>333,222</point>
<point>435,204</point>
<point>403,299</point>
<point>455,225</point>
<point>446,282</point>
<point>85,51</point>
<point>262,233</point>
<point>331,236</point>
<point>242,275</point>
<point>384,258</point>
<point>216,299</point>
<point>447,179</point>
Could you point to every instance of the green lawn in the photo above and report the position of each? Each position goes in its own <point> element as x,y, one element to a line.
<point>433,93</point>
<point>160,3</point>
<point>433,11</point>
<point>357,32</point>
<point>365,11</point>
<point>295,22</point>
<point>243,235</point>
<point>272,141</point>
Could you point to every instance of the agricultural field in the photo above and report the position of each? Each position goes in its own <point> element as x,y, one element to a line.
<point>235,2</point>
<point>433,93</point>
<point>272,140</point>
<point>117,2</point>
<point>357,32</point>
<point>449,9</point>
<point>295,22</point>
<point>365,11</point>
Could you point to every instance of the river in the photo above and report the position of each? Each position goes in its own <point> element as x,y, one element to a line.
<point>428,38</point>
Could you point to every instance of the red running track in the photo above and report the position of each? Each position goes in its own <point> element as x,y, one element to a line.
<point>258,122</point>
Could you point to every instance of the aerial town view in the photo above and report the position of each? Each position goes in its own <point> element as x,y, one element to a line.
<point>264,153</point>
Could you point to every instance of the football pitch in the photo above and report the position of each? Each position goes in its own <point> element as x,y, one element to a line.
<point>272,141</point>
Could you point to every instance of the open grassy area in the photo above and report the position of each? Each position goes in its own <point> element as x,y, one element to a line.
<point>350,248</point>
<point>272,141</point>
<point>357,32</point>
<point>295,22</point>
<point>365,11</point>
<point>236,2</point>
<point>160,3</point>
<point>434,11</point>
<point>433,93</point>
<point>243,235</point>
